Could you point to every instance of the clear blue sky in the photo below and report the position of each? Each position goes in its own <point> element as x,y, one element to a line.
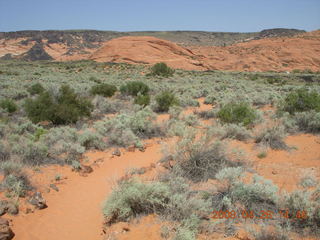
<point>138,15</point>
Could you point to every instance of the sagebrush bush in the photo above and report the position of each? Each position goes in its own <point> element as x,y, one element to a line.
<point>32,153</point>
<point>8,105</point>
<point>36,88</point>
<point>16,185</point>
<point>161,69</point>
<point>63,144</point>
<point>307,121</point>
<point>255,195</point>
<point>133,88</point>
<point>272,137</point>
<point>65,108</point>
<point>306,201</point>
<point>15,180</point>
<point>200,160</point>
<point>10,167</point>
<point>90,139</point>
<point>239,113</point>
<point>4,151</point>
<point>104,89</point>
<point>105,106</point>
<point>132,198</point>
<point>301,100</point>
<point>165,100</point>
<point>235,131</point>
<point>126,128</point>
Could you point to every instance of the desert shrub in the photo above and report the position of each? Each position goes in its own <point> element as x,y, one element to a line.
<point>16,185</point>
<point>165,100</point>
<point>305,203</point>
<point>161,70</point>
<point>105,106</point>
<point>8,105</point>
<point>308,181</point>
<point>142,100</point>
<point>10,167</point>
<point>236,132</point>
<point>307,121</point>
<point>15,180</point>
<point>133,88</point>
<point>239,113</point>
<point>126,128</point>
<point>36,88</point>
<point>270,234</point>
<point>262,155</point>
<point>210,99</point>
<point>32,153</point>
<point>4,151</point>
<point>104,89</point>
<point>200,160</point>
<point>66,108</point>
<point>132,198</point>
<point>230,174</point>
<point>207,114</point>
<point>175,112</point>
<point>260,192</point>
<point>90,139</point>
<point>64,144</point>
<point>272,137</point>
<point>301,100</point>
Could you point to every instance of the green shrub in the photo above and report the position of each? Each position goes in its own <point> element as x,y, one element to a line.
<point>239,113</point>
<point>8,105</point>
<point>36,88</point>
<point>301,100</point>
<point>134,88</point>
<point>66,108</point>
<point>142,100</point>
<point>104,89</point>
<point>165,100</point>
<point>162,70</point>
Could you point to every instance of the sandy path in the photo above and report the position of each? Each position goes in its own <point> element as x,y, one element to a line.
<point>74,213</point>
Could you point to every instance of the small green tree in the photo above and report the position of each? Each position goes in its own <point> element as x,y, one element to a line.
<point>104,89</point>
<point>301,100</point>
<point>36,88</point>
<point>161,69</point>
<point>134,88</point>
<point>165,100</point>
<point>237,113</point>
<point>142,100</point>
<point>8,105</point>
<point>66,108</point>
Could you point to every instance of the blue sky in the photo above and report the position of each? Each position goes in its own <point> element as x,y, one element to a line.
<point>161,15</point>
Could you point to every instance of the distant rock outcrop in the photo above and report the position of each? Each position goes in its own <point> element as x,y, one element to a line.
<point>36,53</point>
<point>147,50</point>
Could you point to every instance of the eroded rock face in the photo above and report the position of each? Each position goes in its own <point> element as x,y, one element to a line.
<point>38,201</point>
<point>5,231</point>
